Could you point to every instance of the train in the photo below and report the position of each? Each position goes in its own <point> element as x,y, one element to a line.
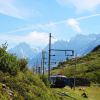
<point>60,81</point>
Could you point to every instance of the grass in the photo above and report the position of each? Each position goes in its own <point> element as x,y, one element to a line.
<point>88,67</point>
<point>25,86</point>
<point>28,86</point>
<point>66,93</point>
<point>93,93</point>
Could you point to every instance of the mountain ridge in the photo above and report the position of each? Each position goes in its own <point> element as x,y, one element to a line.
<point>23,50</point>
<point>81,44</point>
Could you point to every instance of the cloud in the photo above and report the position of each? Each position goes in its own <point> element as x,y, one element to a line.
<point>34,38</point>
<point>45,27</point>
<point>81,5</point>
<point>74,24</point>
<point>12,9</point>
<point>37,37</point>
<point>53,26</point>
<point>87,17</point>
<point>7,8</point>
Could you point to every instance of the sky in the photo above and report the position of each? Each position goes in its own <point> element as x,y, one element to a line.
<point>31,21</point>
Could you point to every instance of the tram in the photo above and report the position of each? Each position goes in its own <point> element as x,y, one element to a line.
<point>60,81</point>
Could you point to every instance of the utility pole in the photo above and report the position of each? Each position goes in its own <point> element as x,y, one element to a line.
<point>49,55</point>
<point>75,70</point>
<point>34,69</point>
<point>36,66</point>
<point>41,65</point>
<point>39,70</point>
<point>43,60</point>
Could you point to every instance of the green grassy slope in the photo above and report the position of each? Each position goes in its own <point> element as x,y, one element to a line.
<point>87,66</point>
<point>24,86</point>
<point>19,83</point>
<point>93,93</point>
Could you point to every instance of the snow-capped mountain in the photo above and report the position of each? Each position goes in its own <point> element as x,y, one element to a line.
<point>81,44</point>
<point>57,45</point>
<point>23,50</point>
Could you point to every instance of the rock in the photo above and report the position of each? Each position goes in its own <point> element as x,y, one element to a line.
<point>10,93</point>
<point>4,86</point>
<point>80,89</point>
<point>5,89</point>
<point>84,95</point>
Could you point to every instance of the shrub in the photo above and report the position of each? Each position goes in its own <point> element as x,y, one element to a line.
<point>8,63</point>
<point>45,80</point>
<point>22,64</point>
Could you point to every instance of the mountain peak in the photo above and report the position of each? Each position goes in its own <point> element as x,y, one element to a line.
<point>23,50</point>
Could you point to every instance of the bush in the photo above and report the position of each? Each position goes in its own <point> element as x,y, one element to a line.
<point>8,62</point>
<point>45,80</point>
<point>27,86</point>
<point>22,64</point>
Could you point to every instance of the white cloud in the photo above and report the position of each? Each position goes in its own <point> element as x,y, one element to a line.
<point>37,37</point>
<point>74,24</point>
<point>33,38</point>
<point>7,8</point>
<point>81,5</point>
<point>53,26</point>
<point>87,17</point>
<point>12,9</point>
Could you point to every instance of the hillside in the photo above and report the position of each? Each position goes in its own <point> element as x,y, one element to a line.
<point>17,82</point>
<point>87,66</point>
